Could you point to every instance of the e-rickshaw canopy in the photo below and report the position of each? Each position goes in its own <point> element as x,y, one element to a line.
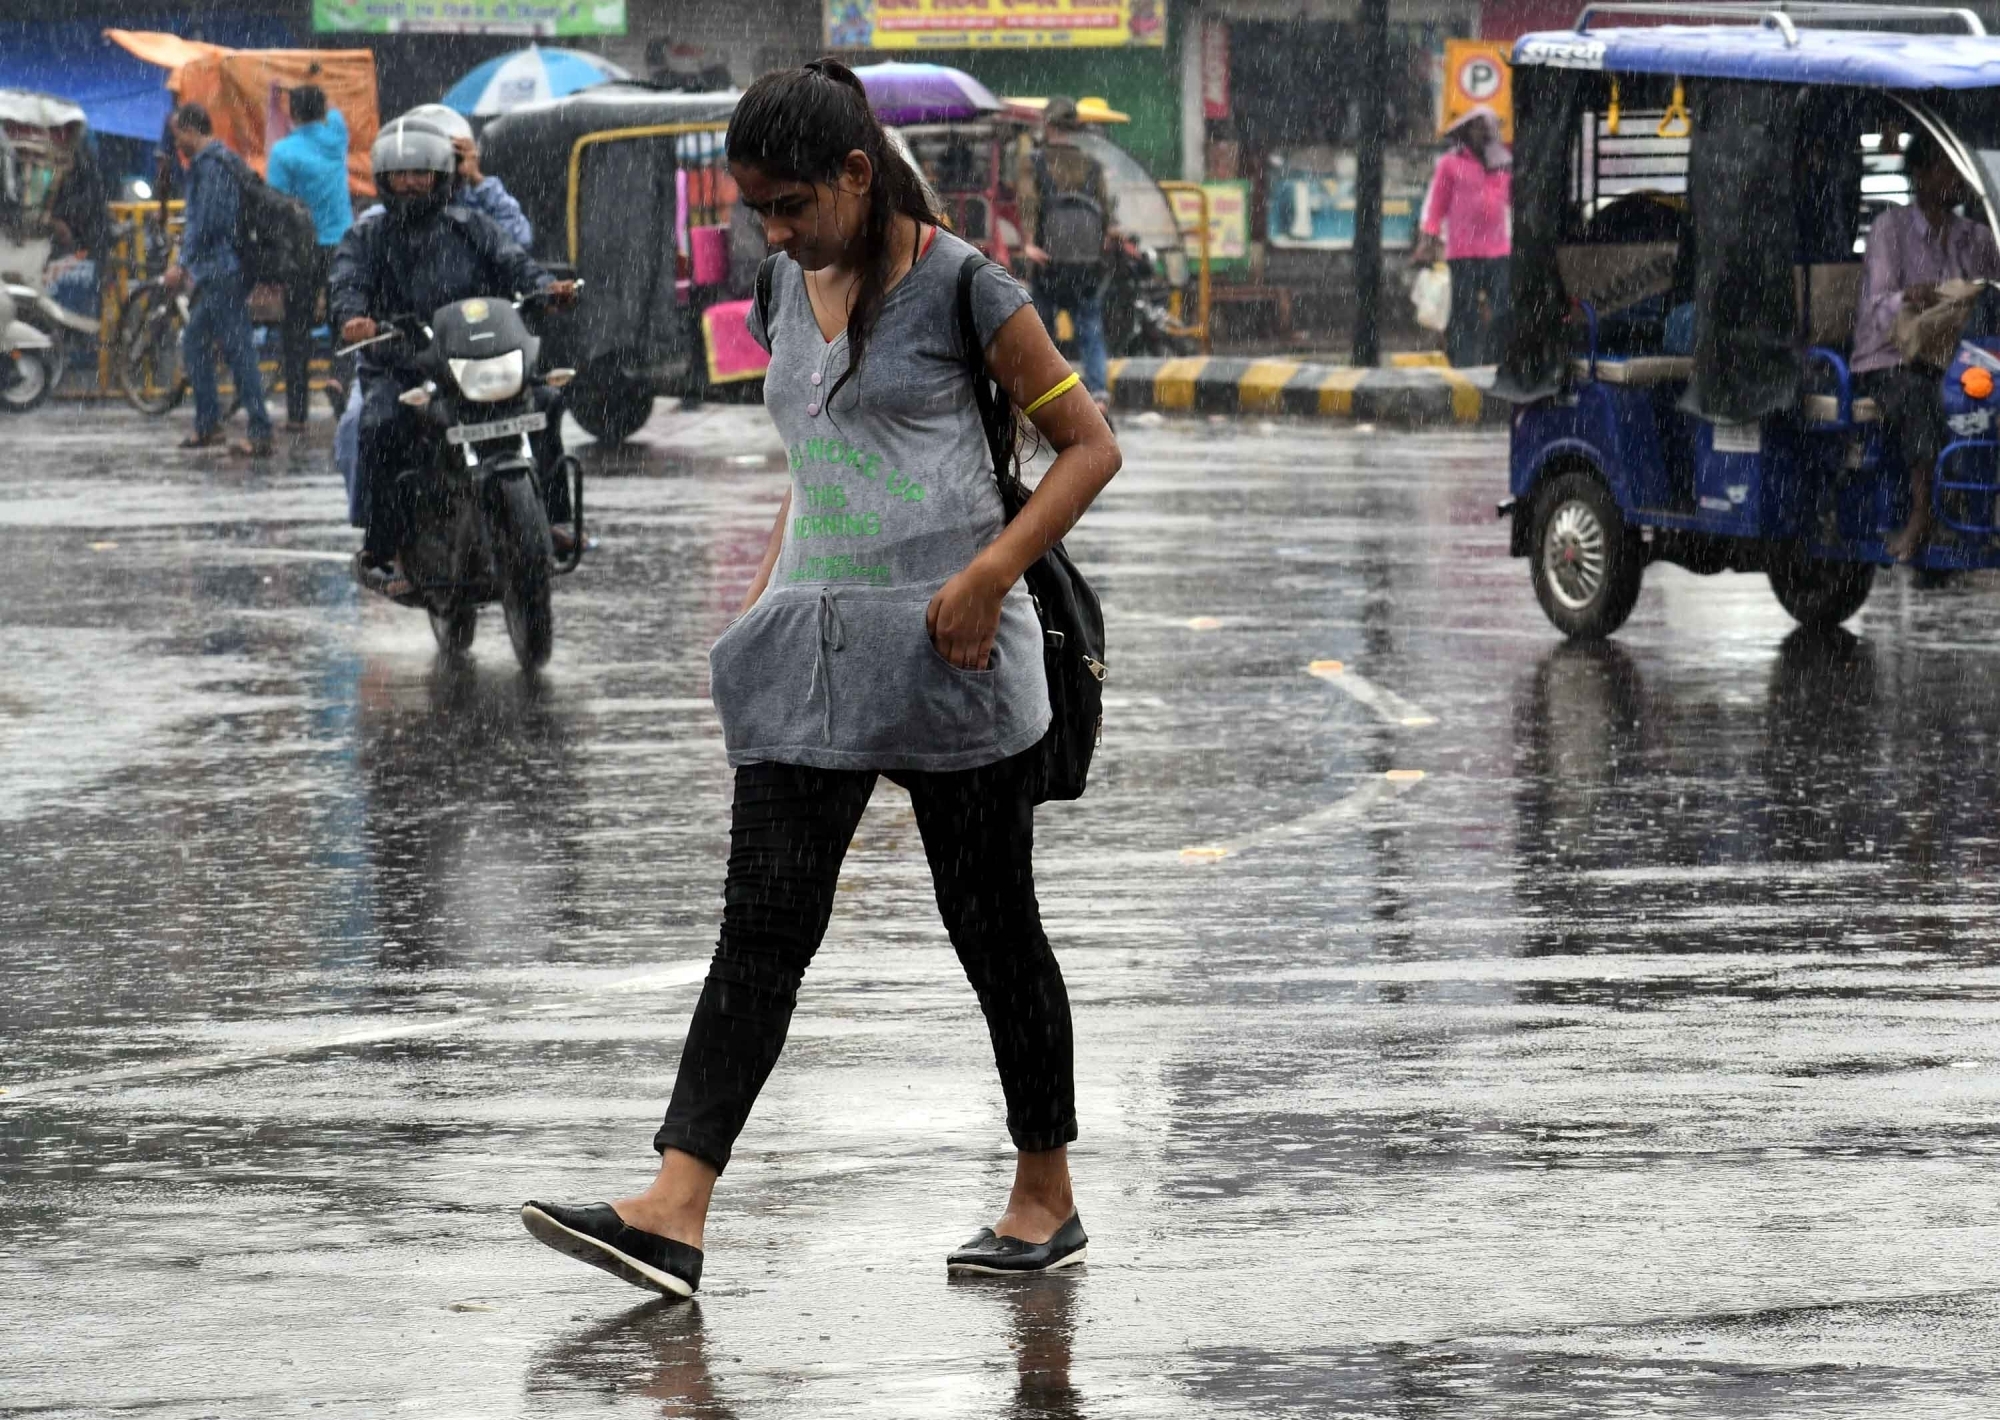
<point>613,178</point>
<point>538,152</point>
<point>1761,102</point>
<point>1862,59</point>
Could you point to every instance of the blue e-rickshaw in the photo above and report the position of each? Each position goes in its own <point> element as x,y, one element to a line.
<point>1691,207</point>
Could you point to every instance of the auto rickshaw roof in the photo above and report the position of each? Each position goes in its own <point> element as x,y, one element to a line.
<point>1780,54</point>
<point>33,110</point>
<point>623,105</point>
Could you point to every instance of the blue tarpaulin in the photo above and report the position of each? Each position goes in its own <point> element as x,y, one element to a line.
<point>120,93</point>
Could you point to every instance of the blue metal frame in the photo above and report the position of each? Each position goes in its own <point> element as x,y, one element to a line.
<point>1987,488</point>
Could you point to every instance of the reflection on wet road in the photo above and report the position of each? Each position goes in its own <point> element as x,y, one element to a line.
<point>1469,1025</point>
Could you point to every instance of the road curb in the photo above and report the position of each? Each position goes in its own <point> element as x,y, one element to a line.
<point>1411,397</point>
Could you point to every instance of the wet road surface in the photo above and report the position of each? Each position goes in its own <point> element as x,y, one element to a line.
<point>1468,1025</point>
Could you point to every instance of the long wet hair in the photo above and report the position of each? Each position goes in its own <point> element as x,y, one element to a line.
<point>799,125</point>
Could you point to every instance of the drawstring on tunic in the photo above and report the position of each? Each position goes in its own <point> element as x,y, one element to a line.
<point>832,637</point>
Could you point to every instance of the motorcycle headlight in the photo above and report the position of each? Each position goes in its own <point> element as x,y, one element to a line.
<point>489,381</point>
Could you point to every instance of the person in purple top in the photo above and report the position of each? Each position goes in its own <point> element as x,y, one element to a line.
<point>1911,250</point>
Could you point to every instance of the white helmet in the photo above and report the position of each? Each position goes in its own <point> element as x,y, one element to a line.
<point>413,148</point>
<point>446,120</point>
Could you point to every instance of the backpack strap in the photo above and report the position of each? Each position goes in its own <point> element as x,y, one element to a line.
<point>766,273</point>
<point>996,416</point>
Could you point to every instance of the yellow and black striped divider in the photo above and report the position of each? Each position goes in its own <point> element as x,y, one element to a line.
<point>1407,396</point>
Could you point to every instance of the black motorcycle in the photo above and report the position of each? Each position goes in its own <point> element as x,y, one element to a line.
<point>1136,319</point>
<point>477,525</point>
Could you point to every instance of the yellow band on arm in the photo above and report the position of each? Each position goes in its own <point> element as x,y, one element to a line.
<point>1060,390</point>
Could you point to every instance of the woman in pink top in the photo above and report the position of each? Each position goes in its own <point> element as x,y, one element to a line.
<point>1468,205</point>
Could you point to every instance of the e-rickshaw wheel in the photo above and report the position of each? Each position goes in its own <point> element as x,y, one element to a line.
<point>1821,594</point>
<point>1585,561</point>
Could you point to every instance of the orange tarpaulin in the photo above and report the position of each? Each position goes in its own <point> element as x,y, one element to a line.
<point>244,91</point>
<point>167,51</point>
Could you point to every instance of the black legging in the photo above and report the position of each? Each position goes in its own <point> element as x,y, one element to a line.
<point>1473,338</point>
<point>790,830</point>
<point>301,314</point>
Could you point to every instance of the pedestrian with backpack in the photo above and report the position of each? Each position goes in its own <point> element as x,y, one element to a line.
<point>210,264</point>
<point>1067,211</point>
<point>887,632</point>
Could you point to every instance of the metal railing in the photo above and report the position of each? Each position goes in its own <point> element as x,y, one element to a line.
<point>1199,330</point>
<point>1781,16</point>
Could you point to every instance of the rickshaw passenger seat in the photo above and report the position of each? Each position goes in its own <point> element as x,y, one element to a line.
<point>1827,307</point>
<point>1637,369</point>
<point>1615,277</point>
<point>1825,409</point>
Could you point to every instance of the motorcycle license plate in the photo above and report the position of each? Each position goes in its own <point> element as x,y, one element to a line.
<point>498,429</point>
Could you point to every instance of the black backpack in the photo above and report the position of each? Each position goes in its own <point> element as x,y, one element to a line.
<point>274,230</point>
<point>1072,619</point>
<point>1070,226</point>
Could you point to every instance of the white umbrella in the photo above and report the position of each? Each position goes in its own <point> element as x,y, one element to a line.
<point>529,76</point>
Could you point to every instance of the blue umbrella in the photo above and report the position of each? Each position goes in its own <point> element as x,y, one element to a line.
<point>527,76</point>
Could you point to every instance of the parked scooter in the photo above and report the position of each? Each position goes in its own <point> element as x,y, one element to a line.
<point>26,360</point>
<point>478,528</point>
<point>67,330</point>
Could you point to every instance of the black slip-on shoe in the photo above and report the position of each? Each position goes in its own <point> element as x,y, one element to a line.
<point>597,1235</point>
<point>994,1255</point>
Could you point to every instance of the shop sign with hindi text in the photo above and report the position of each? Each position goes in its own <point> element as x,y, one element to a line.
<point>540,19</point>
<point>996,24</point>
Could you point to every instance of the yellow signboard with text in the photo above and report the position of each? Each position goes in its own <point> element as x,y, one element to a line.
<point>1228,221</point>
<point>996,24</point>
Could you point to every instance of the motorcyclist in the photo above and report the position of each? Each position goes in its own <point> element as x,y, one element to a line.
<point>419,253</point>
<point>471,188</point>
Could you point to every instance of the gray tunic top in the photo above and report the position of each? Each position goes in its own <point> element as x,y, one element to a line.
<point>892,495</point>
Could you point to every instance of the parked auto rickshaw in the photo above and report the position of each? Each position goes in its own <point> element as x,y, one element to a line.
<point>1730,170</point>
<point>628,188</point>
<point>969,164</point>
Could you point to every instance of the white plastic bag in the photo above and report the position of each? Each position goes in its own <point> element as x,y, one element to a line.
<point>1430,293</point>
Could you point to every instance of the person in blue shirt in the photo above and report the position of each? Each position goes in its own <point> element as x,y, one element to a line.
<point>207,264</point>
<point>310,163</point>
<point>473,190</point>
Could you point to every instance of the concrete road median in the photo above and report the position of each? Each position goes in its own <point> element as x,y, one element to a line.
<point>1421,396</point>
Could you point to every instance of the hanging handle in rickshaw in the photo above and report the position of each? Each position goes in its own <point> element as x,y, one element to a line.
<point>1611,113</point>
<point>1677,122</point>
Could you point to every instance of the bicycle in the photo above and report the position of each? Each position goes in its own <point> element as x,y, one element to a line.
<point>148,350</point>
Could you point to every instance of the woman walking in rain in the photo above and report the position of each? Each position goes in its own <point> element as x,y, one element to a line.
<point>886,633</point>
<point>1466,216</point>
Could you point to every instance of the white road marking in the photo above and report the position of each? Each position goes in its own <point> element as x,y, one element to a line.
<point>1389,707</point>
<point>683,974</point>
<point>1344,810</point>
